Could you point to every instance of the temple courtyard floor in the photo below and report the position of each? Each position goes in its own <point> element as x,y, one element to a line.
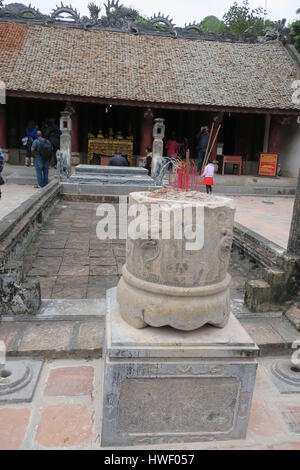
<point>73,264</point>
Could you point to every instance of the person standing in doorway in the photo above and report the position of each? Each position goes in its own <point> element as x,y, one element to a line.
<point>202,142</point>
<point>52,133</point>
<point>148,160</point>
<point>172,146</point>
<point>118,160</point>
<point>31,135</point>
<point>42,151</point>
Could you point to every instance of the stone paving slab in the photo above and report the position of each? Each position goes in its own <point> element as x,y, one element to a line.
<point>53,339</point>
<point>269,217</point>
<point>272,335</point>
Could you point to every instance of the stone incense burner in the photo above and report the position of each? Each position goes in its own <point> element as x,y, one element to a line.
<point>171,281</point>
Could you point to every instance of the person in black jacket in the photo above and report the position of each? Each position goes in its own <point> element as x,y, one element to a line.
<point>52,133</point>
<point>148,160</point>
<point>202,143</point>
<point>118,160</point>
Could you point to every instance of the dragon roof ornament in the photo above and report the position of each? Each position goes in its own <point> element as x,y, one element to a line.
<point>119,18</point>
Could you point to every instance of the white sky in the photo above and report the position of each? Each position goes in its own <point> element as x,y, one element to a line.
<point>182,11</point>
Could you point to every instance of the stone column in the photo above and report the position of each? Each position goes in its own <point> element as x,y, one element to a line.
<point>294,240</point>
<point>64,154</point>
<point>146,131</point>
<point>158,146</point>
<point>3,140</point>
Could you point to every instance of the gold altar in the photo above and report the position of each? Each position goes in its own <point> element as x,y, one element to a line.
<point>107,147</point>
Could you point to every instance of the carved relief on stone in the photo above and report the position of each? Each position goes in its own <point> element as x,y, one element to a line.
<point>142,255</point>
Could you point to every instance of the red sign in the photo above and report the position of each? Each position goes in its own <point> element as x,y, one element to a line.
<point>268,164</point>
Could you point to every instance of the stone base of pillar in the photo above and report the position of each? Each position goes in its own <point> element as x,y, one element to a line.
<point>168,386</point>
<point>185,308</point>
<point>75,160</point>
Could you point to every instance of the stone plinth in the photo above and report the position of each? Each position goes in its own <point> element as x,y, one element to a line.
<point>171,281</point>
<point>112,175</point>
<point>167,386</point>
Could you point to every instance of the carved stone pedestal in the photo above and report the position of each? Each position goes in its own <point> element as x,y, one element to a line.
<point>176,281</point>
<point>167,386</point>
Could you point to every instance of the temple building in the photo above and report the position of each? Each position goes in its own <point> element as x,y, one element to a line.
<point>116,77</point>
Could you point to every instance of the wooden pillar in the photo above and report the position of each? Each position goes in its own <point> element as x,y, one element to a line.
<point>267,132</point>
<point>3,140</point>
<point>146,131</point>
<point>275,135</point>
<point>294,240</point>
<point>75,140</point>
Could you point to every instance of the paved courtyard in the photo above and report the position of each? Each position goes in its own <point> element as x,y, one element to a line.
<point>268,216</point>
<point>68,258</point>
<point>72,263</point>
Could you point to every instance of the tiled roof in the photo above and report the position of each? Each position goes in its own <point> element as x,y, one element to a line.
<point>145,68</point>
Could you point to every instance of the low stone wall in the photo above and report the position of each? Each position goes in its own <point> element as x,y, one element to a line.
<point>19,226</point>
<point>280,275</point>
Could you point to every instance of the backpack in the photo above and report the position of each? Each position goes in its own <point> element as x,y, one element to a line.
<point>45,149</point>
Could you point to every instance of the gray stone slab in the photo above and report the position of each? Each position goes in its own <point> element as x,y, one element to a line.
<point>20,385</point>
<point>208,341</point>
<point>285,329</point>
<point>122,180</point>
<point>108,189</point>
<point>167,386</point>
<point>111,170</point>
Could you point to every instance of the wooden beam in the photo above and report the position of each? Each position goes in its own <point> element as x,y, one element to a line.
<point>147,104</point>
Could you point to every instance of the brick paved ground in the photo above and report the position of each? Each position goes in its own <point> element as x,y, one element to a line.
<point>68,258</point>
<point>66,413</point>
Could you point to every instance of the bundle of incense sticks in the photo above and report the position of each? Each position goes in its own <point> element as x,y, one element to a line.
<point>187,179</point>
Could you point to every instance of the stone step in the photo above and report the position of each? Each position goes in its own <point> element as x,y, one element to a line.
<point>64,309</point>
<point>60,339</point>
<point>63,328</point>
<point>273,335</point>
<point>93,191</point>
<point>87,178</point>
